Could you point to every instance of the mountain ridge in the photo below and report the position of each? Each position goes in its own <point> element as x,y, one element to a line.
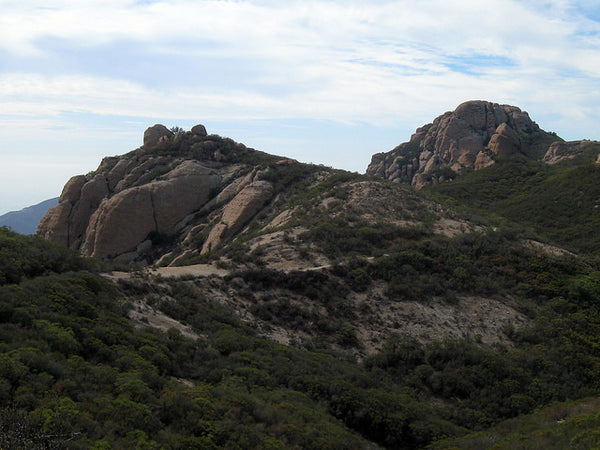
<point>183,194</point>
<point>26,220</point>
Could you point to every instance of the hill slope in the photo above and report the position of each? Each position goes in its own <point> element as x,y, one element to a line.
<point>26,220</point>
<point>560,202</point>
<point>388,316</point>
<point>83,363</point>
<point>187,197</point>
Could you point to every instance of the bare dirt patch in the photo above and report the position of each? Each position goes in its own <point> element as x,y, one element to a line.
<point>196,270</point>
<point>144,315</point>
<point>477,319</point>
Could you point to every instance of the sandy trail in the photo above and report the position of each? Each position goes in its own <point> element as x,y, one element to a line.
<point>196,270</point>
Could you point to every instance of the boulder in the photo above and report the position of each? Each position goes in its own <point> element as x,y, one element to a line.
<point>125,220</point>
<point>484,159</point>
<point>505,141</point>
<point>155,135</point>
<point>561,151</point>
<point>120,224</point>
<point>55,226</point>
<point>91,195</point>
<point>199,130</point>
<point>132,202</point>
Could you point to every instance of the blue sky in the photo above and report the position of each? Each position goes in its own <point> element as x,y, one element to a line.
<point>329,82</point>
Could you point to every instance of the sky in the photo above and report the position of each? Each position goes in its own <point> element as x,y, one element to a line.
<point>323,81</point>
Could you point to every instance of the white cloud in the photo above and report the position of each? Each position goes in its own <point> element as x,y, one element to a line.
<point>386,63</point>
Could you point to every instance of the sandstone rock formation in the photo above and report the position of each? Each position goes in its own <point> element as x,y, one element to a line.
<point>239,211</point>
<point>155,135</point>
<point>470,137</point>
<point>561,151</point>
<point>121,223</point>
<point>131,202</point>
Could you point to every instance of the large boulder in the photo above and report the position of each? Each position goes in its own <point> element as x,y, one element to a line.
<point>129,218</point>
<point>505,141</point>
<point>199,130</point>
<point>155,135</point>
<point>56,225</point>
<point>112,211</point>
<point>135,206</point>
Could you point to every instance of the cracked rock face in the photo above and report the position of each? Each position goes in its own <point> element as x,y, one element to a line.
<point>112,212</point>
<point>239,211</point>
<point>105,224</point>
<point>470,137</point>
<point>124,221</point>
<point>154,194</point>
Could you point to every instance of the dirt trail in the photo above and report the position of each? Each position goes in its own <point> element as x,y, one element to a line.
<point>196,270</point>
<point>199,270</point>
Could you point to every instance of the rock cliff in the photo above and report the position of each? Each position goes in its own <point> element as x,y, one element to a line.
<point>471,137</point>
<point>134,202</point>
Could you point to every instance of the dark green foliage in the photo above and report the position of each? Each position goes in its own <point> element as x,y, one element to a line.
<point>293,174</point>
<point>332,185</point>
<point>210,148</point>
<point>558,202</point>
<point>536,143</point>
<point>88,377</point>
<point>572,425</point>
<point>342,237</point>
<point>30,256</point>
<point>486,263</point>
<point>554,360</point>
<point>76,373</point>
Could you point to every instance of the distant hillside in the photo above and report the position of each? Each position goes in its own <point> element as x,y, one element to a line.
<point>26,220</point>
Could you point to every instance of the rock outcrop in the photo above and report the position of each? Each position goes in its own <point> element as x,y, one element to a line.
<point>560,151</point>
<point>239,211</point>
<point>471,137</point>
<point>198,130</point>
<point>156,135</point>
<point>132,202</point>
<point>126,220</point>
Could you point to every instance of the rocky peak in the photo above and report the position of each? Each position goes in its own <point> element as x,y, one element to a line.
<point>472,136</point>
<point>120,211</point>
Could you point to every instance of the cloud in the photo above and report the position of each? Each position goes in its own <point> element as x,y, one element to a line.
<point>305,44</point>
<point>389,64</point>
